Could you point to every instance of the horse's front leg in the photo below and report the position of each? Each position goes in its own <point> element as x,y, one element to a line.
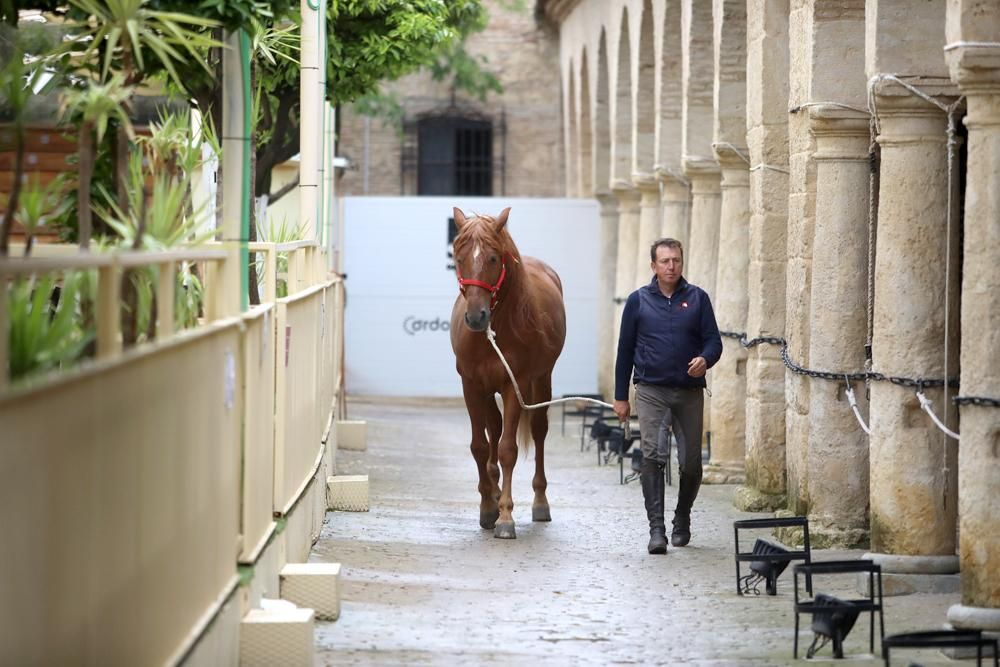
<point>494,428</point>
<point>508,457</point>
<point>476,404</point>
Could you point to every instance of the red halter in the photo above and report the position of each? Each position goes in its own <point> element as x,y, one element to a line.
<point>494,290</point>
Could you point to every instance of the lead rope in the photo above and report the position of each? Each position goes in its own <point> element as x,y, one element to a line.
<point>491,336</point>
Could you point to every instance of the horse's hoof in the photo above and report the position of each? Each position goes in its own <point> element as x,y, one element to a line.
<point>504,530</point>
<point>488,519</point>
<point>541,513</point>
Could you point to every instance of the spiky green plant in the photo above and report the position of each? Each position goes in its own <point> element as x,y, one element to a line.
<point>92,107</point>
<point>123,34</point>
<point>156,219</point>
<point>45,332</point>
<point>40,204</point>
<point>280,232</point>
<point>171,146</point>
<point>20,78</point>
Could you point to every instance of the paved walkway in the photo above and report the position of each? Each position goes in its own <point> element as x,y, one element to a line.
<point>423,584</point>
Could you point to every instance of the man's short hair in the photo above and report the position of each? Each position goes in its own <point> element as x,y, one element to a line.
<point>665,243</point>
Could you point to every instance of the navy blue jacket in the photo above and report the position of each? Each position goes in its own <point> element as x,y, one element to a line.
<point>661,335</point>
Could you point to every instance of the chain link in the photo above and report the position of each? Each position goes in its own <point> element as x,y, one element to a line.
<point>773,340</point>
<point>983,401</point>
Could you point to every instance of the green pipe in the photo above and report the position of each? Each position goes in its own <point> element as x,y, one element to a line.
<point>247,147</point>
<point>320,207</point>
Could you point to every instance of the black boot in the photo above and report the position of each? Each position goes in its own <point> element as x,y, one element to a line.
<point>652,492</point>
<point>688,491</point>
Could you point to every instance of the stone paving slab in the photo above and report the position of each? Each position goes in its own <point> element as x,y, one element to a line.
<point>422,584</point>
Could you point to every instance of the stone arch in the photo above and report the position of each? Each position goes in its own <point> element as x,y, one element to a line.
<point>670,96</point>
<point>644,99</point>
<point>602,117</point>
<point>621,113</point>
<point>585,130</point>
<point>697,80</point>
<point>571,138</point>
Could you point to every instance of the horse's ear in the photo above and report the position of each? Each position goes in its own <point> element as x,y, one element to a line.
<point>502,218</point>
<point>459,217</point>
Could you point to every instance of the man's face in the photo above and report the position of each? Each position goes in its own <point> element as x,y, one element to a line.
<point>668,265</point>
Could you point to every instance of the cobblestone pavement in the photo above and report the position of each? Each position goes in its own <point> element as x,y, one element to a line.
<point>423,584</point>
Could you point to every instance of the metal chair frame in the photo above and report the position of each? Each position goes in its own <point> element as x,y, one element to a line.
<point>943,639</point>
<point>784,522</point>
<point>868,604</point>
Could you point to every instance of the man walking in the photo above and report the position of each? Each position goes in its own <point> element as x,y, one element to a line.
<point>669,338</point>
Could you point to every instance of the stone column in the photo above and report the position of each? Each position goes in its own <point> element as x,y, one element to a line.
<point>675,205</point>
<point>649,224</point>
<point>606,335</point>
<point>767,141</point>
<point>837,458</point>
<point>728,405</point>
<point>702,253</point>
<point>827,51</point>
<point>627,197</point>
<point>706,205</point>
<point>914,481</point>
<point>977,72</point>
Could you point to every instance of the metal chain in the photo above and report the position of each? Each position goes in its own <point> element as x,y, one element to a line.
<point>982,401</point>
<point>754,342</point>
<point>867,376</point>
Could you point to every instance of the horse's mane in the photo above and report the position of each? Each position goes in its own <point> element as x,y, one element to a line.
<point>483,229</point>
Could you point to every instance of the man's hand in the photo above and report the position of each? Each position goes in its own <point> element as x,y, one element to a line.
<point>697,367</point>
<point>622,409</point>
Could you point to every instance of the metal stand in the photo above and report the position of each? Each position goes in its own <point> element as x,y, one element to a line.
<point>835,614</point>
<point>776,557</point>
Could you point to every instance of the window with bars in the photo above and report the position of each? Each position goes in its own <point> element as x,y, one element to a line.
<point>455,156</point>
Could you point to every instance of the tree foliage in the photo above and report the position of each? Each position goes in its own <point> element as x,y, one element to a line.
<point>368,42</point>
<point>376,40</point>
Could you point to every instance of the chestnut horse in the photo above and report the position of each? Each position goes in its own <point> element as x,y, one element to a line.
<point>521,299</point>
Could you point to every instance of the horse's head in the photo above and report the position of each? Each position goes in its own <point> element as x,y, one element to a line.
<point>484,258</point>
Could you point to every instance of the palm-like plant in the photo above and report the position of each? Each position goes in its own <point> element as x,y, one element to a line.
<point>93,107</point>
<point>123,34</point>
<point>171,146</point>
<point>128,39</point>
<point>18,81</point>
<point>46,334</point>
<point>170,223</point>
<point>282,232</point>
<point>39,204</point>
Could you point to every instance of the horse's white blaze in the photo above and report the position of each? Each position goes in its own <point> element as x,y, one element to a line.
<point>475,252</point>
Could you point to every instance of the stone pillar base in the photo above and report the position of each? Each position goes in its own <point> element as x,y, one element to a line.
<point>968,653</point>
<point>724,472</point>
<point>986,619</point>
<point>749,499</point>
<point>962,617</point>
<point>834,537</point>
<point>904,575</point>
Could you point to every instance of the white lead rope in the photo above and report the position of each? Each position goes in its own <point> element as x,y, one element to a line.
<point>927,404</point>
<point>857,413</point>
<point>491,336</point>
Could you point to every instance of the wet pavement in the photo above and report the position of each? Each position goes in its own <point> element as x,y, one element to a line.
<point>422,583</point>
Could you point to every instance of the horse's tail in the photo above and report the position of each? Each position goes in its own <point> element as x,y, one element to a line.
<point>524,432</point>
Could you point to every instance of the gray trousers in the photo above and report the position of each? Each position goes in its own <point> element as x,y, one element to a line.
<point>684,411</point>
